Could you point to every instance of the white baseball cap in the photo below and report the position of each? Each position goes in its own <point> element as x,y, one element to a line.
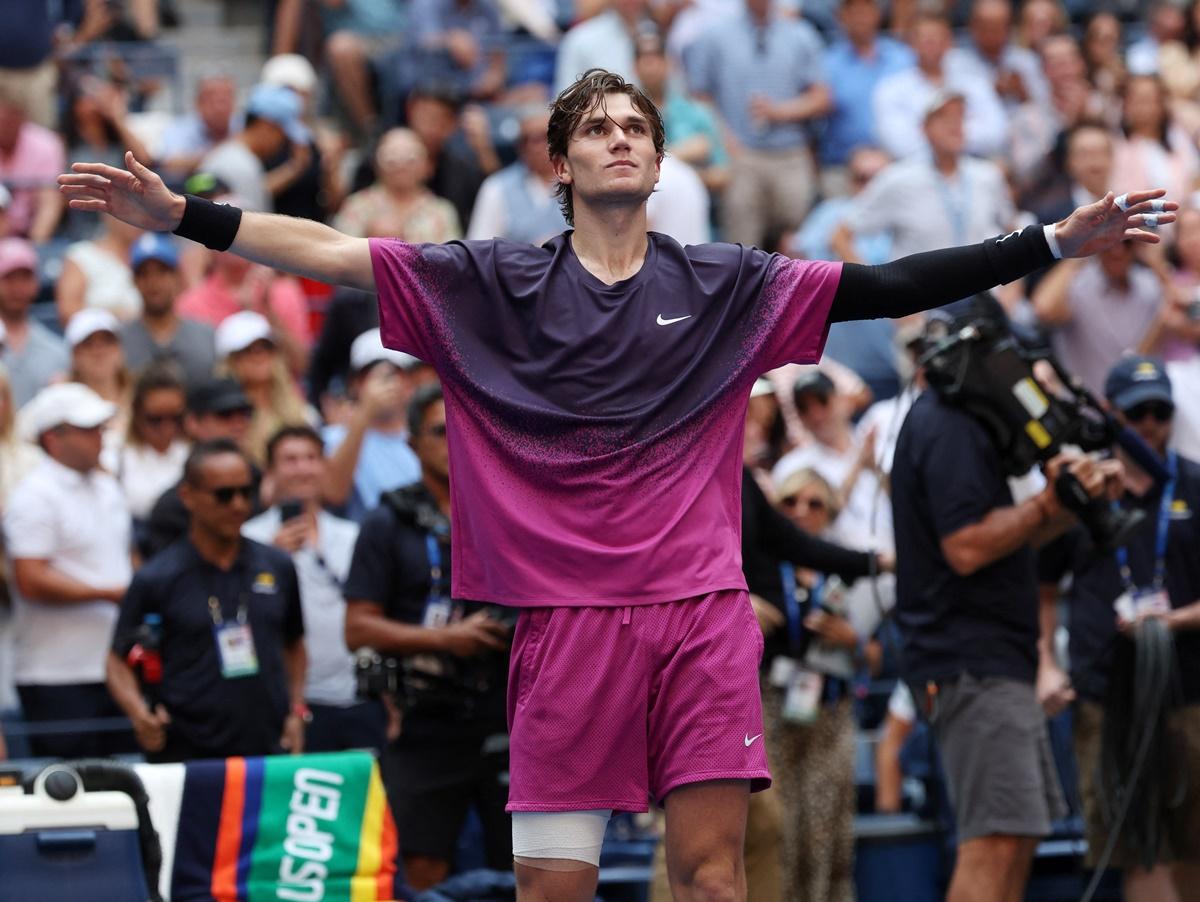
<point>68,403</point>
<point>368,349</point>
<point>289,70</point>
<point>86,323</point>
<point>238,332</point>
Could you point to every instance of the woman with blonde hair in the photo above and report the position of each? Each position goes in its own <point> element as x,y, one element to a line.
<point>247,351</point>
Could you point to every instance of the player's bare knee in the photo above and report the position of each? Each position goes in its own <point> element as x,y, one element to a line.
<point>713,879</point>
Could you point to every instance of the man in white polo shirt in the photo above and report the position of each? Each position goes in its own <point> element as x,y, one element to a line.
<point>67,531</point>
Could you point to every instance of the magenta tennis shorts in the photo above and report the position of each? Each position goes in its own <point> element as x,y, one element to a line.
<point>609,707</point>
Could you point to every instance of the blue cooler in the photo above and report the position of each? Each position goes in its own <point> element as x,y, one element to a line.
<point>898,858</point>
<point>60,842</point>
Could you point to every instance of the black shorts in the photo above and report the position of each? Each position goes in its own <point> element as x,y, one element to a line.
<point>432,783</point>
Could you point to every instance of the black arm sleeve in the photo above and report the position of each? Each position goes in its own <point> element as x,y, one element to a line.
<point>924,281</point>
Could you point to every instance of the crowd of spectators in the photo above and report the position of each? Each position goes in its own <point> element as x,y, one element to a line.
<point>840,129</point>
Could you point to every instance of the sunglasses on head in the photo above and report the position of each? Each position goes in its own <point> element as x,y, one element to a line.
<point>1160,410</point>
<point>813,504</point>
<point>226,493</point>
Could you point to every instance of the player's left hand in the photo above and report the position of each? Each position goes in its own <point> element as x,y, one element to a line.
<point>1095,227</point>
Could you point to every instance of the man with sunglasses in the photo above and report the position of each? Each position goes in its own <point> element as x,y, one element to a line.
<point>232,632</point>
<point>1160,563</point>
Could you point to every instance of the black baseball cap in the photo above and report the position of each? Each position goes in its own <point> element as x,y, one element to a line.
<point>218,396</point>
<point>1136,379</point>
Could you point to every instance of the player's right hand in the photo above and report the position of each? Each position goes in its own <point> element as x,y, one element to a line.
<point>137,196</point>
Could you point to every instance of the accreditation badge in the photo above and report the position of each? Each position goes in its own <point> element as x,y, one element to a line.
<point>235,647</point>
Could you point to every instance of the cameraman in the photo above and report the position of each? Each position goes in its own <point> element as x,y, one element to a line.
<point>967,608</point>
<point>453,746</point>
<point>1162,554</point>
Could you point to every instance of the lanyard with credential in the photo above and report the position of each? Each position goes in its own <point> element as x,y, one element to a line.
<point>956,212</point>
<point>437,581</point>
<point>1160,541</point>
<point>793,608</point>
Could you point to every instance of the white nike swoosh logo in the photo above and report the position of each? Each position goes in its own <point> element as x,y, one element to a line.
<point>750,739</point>
<point>667,322</point>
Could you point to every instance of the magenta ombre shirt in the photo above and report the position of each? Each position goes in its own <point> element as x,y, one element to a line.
<point>596,430</point>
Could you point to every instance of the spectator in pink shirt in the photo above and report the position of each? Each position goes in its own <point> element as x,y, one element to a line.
<point>234,284</point>
<point>31,158</point>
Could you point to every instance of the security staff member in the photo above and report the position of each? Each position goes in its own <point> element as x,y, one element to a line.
<point>1162,556</point>
<point>452,751</point>
<point>232,632</point>
<point>967,609</point>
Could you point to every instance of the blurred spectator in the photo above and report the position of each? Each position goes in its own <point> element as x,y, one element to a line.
<point>27,52</point>
<point>216,409</point>
<point>98,362</point>
<point>247,350</point>
<point>813,749</point>
<point>1098,309</point>
<point>854,65</point>
<point>1037,20</point>
<point>433,114</point>
<point>232,645</point>
<point>150,458</point>
<point>17,458</point>
<point>1175,333</point>
<point>399,204</point>
<point>320,546</point>
<point>1015,72</point>
<point>1102,45</point>
<point>234,284</point>
<point>693,133</point>
<point>96,274</point>
<point>96,124</point>
<point>160,333</point>
<point>187,140</point>
<point>897,726</point>
<point>1036,129</point>
<point>273,121</point>
<point>357,33</point>
<point>69,571</point>
<point>33,354</point>
<point>518,202</point>
<point>944,199</point>
<point>846,461</point>
<point>679,206</point>
<point>350,313</point>
<point>901,100</point>
<point>1165,22</point>
<point>604,41</point>
<point>1157,563</point>
<point>31,158</point>
<point>866,346</point>
<point>372,453</point>
<point>1153,150</point>
<point>453,749</point>
<point>764,75</point>
<point>461,41</point>
<point>297,176</point>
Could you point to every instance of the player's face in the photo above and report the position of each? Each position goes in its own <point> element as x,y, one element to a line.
<point>611,160</point>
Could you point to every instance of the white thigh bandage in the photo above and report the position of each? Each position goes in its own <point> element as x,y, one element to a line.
<point>574,835</point>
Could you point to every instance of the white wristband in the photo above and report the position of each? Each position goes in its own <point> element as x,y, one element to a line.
<point>1048,231</point>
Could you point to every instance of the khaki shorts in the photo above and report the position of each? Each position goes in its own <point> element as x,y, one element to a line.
<point>1181,825</point>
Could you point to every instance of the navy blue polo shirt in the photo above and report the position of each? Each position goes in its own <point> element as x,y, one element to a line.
<point>220,717</point>
<point>1096,583</point>
<point>947,475</point>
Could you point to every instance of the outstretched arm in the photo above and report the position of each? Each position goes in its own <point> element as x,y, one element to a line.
<point>924,281</point>
<point>300,246</point>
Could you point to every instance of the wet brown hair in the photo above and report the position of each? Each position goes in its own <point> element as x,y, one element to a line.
<point>579,99</point>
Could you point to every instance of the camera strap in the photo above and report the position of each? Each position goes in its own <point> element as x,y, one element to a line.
<point>795,609</point>
<point>1160,540</point>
